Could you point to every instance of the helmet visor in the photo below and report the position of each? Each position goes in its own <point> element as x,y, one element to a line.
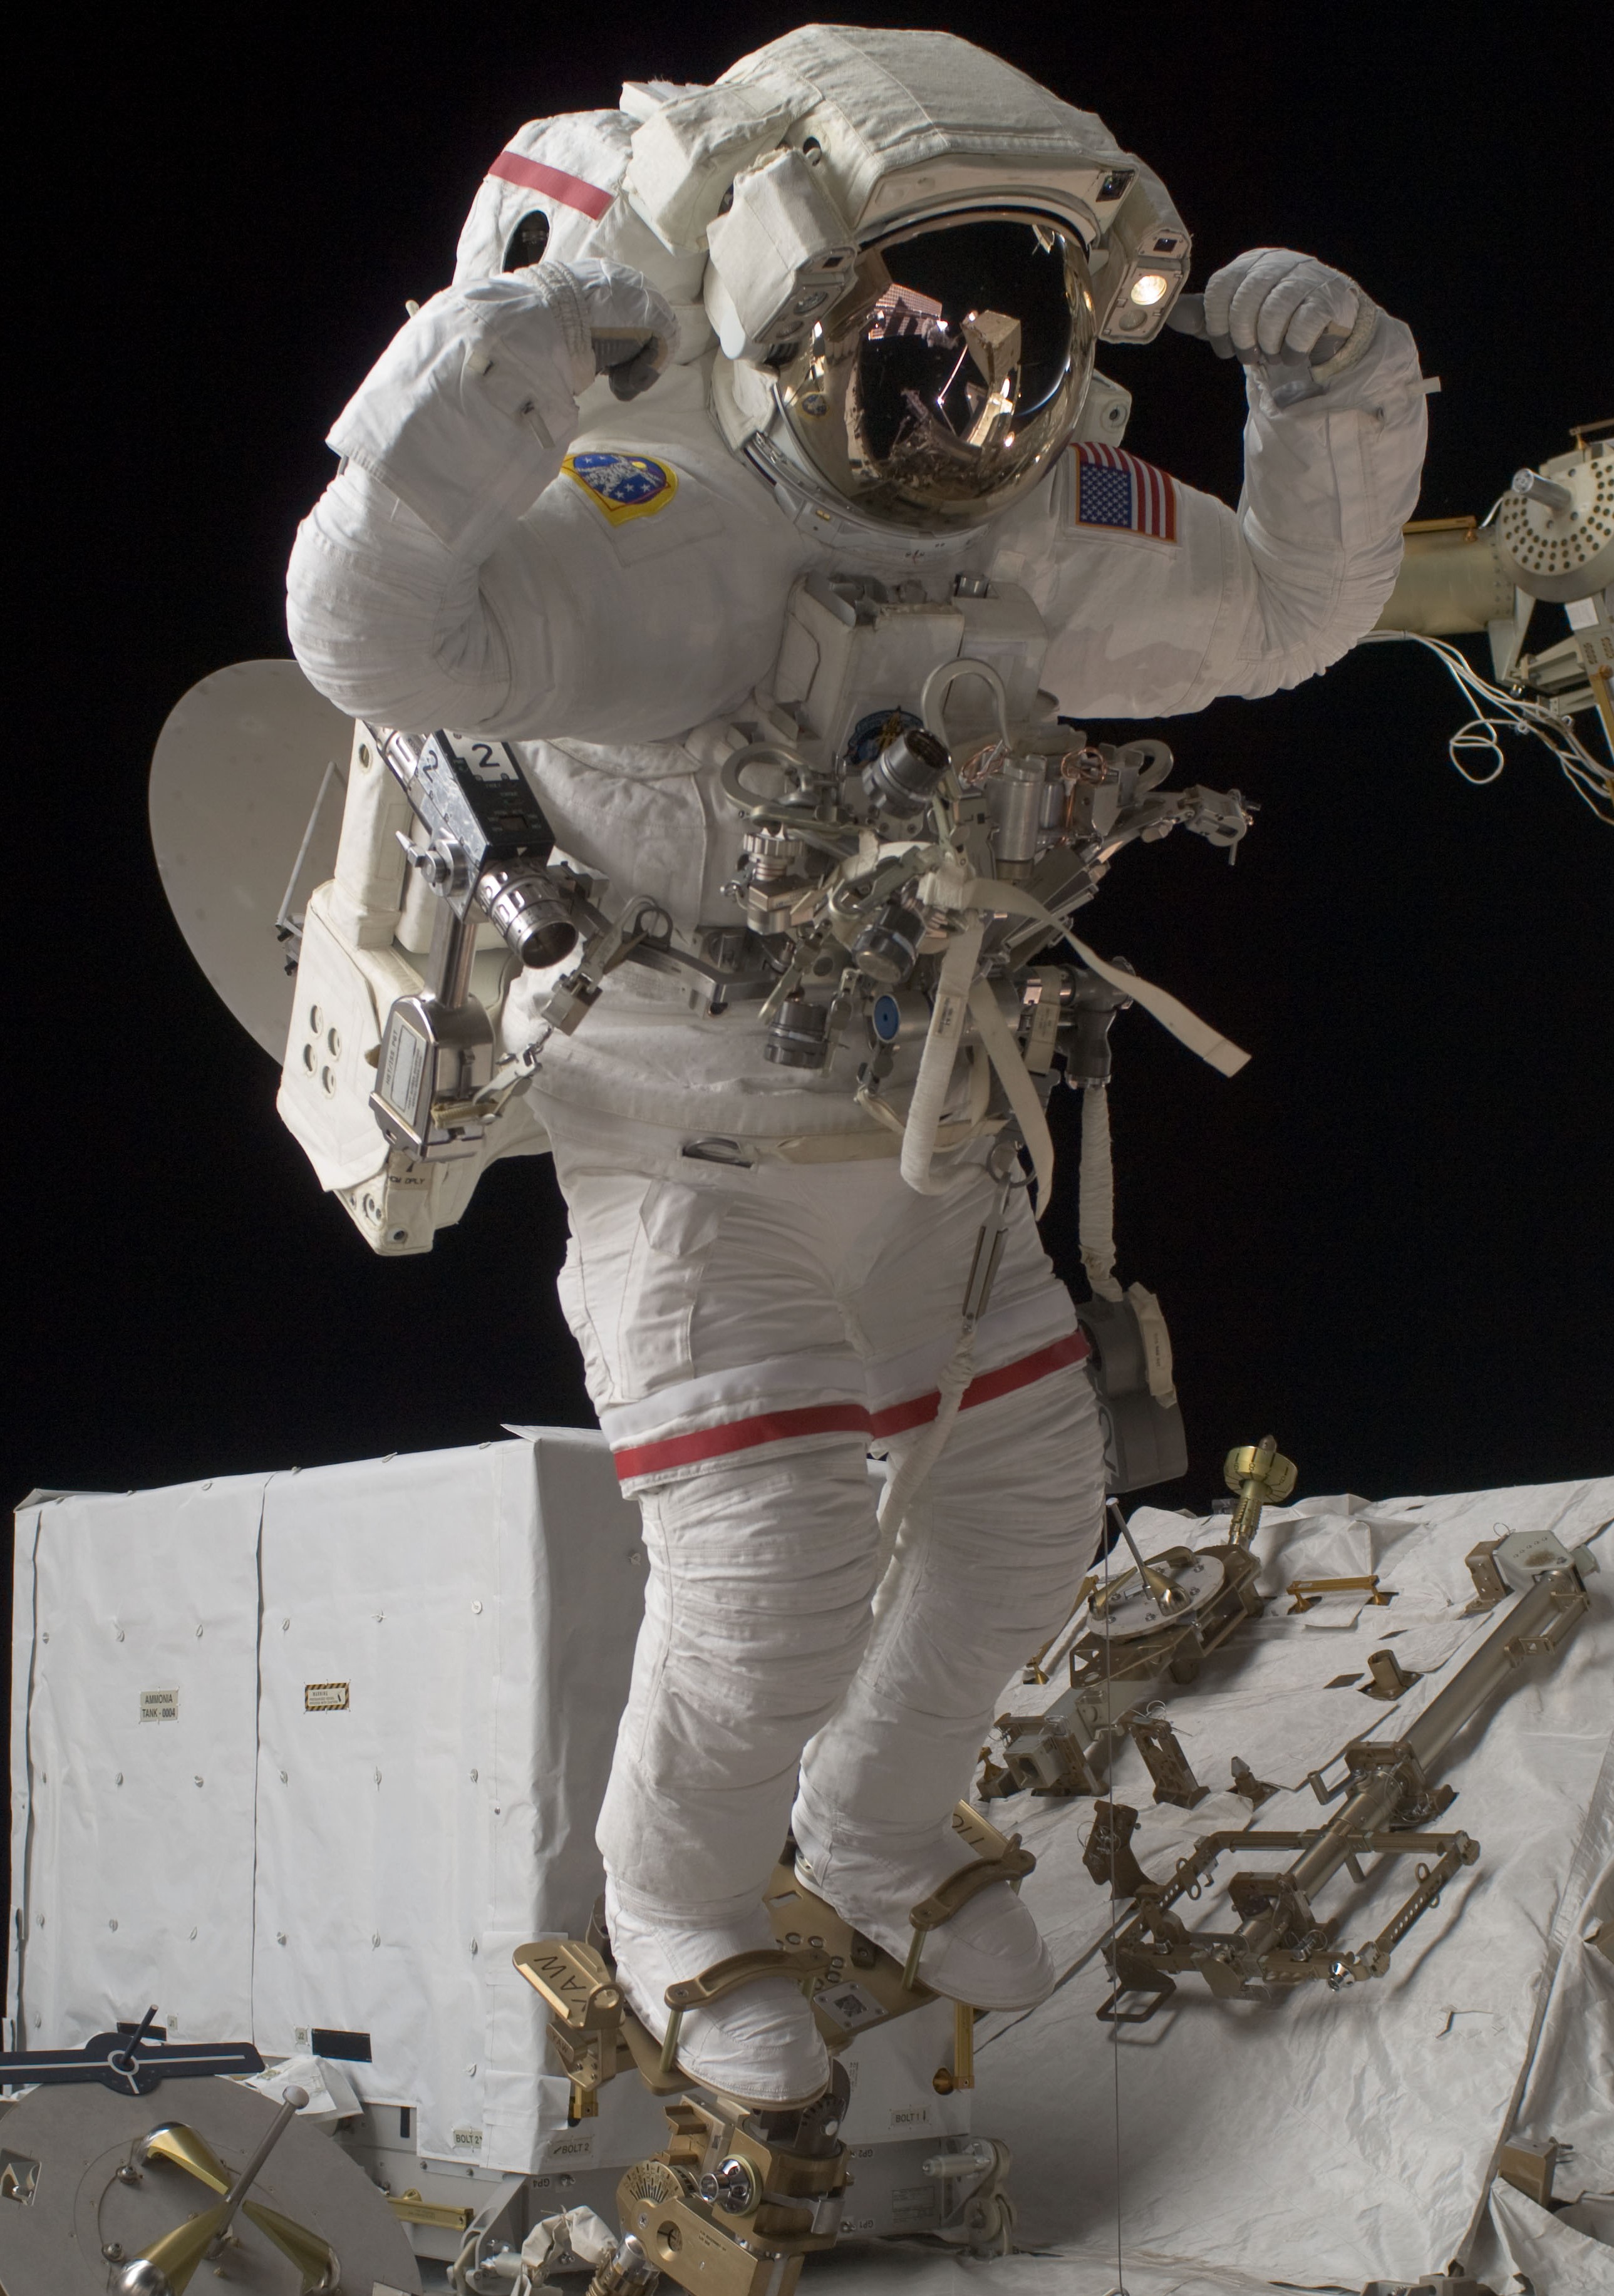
<point>950,374</point>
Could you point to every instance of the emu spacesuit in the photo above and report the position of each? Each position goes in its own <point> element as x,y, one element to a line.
<point>907,251</point>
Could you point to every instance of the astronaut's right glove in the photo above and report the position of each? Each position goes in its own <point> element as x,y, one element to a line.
<point>468,410</point>
<point>615,324</point>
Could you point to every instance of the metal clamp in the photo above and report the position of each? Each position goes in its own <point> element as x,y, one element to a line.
<point>1258,1475</point>
<point>1306,1594</point>
<point>1108,1855</point>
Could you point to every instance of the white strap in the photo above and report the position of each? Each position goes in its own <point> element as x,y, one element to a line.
<point>1219,1051</point>
<point>911,1477</point>
<point>1188,1028</point>
<point>935,1080</point>
<point>1097,1194</point>
<point>1004,1056</point>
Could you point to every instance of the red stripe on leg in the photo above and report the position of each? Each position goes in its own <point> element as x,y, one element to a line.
<point>739,1435</point>
<point>897,1418</point>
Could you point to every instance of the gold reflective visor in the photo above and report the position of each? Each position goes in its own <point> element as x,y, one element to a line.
<point>943,383</point>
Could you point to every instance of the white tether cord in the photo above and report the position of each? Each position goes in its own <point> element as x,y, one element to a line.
<point>957,992</point>
<point>1497,712</point>
<point>991,893</point>
<point>905,1485</point>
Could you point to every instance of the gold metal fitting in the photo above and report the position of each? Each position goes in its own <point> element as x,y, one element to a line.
<point>1258,1475</point>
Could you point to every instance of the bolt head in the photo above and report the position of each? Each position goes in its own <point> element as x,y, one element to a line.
<point>141,2279</point>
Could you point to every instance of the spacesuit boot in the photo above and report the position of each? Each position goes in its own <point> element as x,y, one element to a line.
<point>990,1954</point>
<point>760,2045</point>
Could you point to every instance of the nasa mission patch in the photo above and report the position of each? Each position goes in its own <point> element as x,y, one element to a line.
<point>623,486</point>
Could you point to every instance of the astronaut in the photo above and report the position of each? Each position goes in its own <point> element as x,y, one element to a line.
<point>811,351</point>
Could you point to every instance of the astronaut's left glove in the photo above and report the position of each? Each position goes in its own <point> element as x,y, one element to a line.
<point>1272,300</point>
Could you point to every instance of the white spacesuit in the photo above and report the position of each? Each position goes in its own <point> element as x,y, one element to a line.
<point>892,456</point>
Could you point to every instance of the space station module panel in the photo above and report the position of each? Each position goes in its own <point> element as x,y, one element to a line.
<point>309,1754</point>
<point>304,1757</point>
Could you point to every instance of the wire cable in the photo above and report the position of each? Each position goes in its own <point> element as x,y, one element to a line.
<point>1115,1917</point>
<point>1497,712</point>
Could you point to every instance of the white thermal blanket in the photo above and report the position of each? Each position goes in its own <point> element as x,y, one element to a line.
<point>1327,2139</point>
<point>313,1752</point>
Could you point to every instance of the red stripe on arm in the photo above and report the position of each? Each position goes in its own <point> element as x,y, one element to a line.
<point>571,190</point>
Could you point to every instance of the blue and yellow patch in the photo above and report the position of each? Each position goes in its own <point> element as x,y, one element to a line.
<point>623,486</point>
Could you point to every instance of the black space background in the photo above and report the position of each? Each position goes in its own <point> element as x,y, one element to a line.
<point>1387,1241</point>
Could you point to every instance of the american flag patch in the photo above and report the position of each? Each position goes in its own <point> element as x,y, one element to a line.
<point>1114,489</point>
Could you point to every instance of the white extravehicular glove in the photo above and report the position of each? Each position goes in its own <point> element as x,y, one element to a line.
<point>615,323</point>
<point>1274,300</point>
<point>467,413</point>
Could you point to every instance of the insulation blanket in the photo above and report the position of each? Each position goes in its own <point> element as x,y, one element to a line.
<point>302,1758</point>
<point>1321,2139</point>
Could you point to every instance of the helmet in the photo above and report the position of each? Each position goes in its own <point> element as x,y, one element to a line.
<point>913,251</point>
<point>907,249</point>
